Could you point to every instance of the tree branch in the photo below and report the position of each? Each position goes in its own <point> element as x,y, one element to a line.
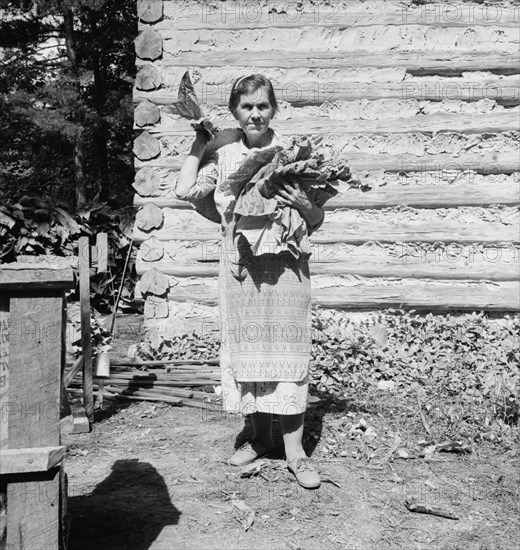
<point>33,52</point>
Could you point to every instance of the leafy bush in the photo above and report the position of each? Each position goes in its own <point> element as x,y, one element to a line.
<point>465,368</point>
<point>36,226</point>
<point>461,372</point>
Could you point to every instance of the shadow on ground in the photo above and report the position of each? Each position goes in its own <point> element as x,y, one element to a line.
<point>313,427</point>
<point>127,510</point>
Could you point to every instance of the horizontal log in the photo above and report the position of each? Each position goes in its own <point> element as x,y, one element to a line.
<point>313,92</point>
<point>425,295</point>
<point>35,276</point>
<point>423,196</point>
<point>495,163</point>
<point>356,228</point>
<point>372,39</point>
<point>431,266</point>
<point>31,460</point>
<point>449,63</point>
<point>460,123</point>
<point>258,15</point>
<point>210,325</point>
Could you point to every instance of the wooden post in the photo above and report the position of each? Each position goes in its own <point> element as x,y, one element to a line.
<point>4,368</point>
<point>31,408</point>
<point>86,340</point>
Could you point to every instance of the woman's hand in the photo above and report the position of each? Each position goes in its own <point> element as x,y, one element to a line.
<point>290,193</point>
<point>204,128</point>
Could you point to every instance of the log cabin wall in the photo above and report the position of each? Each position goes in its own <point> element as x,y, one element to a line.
<point>422,98</point>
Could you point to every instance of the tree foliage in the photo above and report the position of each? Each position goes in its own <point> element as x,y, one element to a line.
<point>66,73</point>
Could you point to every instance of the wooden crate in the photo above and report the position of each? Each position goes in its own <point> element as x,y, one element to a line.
<point>32,353</point>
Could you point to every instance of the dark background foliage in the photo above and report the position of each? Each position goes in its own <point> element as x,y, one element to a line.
<point>66,75</point>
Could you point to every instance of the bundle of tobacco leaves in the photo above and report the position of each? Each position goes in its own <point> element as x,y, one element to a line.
<point>266,225</point>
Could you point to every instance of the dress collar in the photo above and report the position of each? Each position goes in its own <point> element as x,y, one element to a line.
<point>275,137</point>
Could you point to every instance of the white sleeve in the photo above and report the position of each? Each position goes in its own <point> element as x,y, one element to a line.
<point>206,181</point>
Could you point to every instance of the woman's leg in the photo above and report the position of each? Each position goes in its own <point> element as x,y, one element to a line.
<point>262,428</point>
<point>292,431</point>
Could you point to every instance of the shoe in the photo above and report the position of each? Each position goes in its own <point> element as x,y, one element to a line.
<point>247,454</point>
<point>304,472</point>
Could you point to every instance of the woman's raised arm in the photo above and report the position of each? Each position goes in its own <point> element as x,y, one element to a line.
<point>188,173</point>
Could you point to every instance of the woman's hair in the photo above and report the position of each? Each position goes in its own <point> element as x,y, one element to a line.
<point>249,85</point>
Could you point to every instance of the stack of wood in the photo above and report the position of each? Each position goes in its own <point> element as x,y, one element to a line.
<point>180,382</point>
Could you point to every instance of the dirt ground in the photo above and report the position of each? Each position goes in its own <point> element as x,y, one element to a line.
<point>154,476</point>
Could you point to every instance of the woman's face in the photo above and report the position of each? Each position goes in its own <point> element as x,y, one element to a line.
<point>254,112</point>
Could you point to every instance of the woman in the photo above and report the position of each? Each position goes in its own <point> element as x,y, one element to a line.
<point>266,317</point>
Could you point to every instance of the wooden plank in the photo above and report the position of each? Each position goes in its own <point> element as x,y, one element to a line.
<point>257,15</point>
<point>35,276</point>
<point>425,62</point>
<point>34,459</point>
<point>346,227</point>
<point>460,123</point>
<point>73,371</point>
<point>4,370</point>
<point>425,295</point>
<point>86,339</point>
<point>64,402</point>
<point>34,398</point>
<point>307,92</point>
<point>102,252</point>
<point>80,421</point>
<point>99,395</point>
<point>33,520</point>
<point>51,261</point>
<point>64,515</point>
<point>495,163</point>
<point>424,196</point>
<point>35,345</point>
